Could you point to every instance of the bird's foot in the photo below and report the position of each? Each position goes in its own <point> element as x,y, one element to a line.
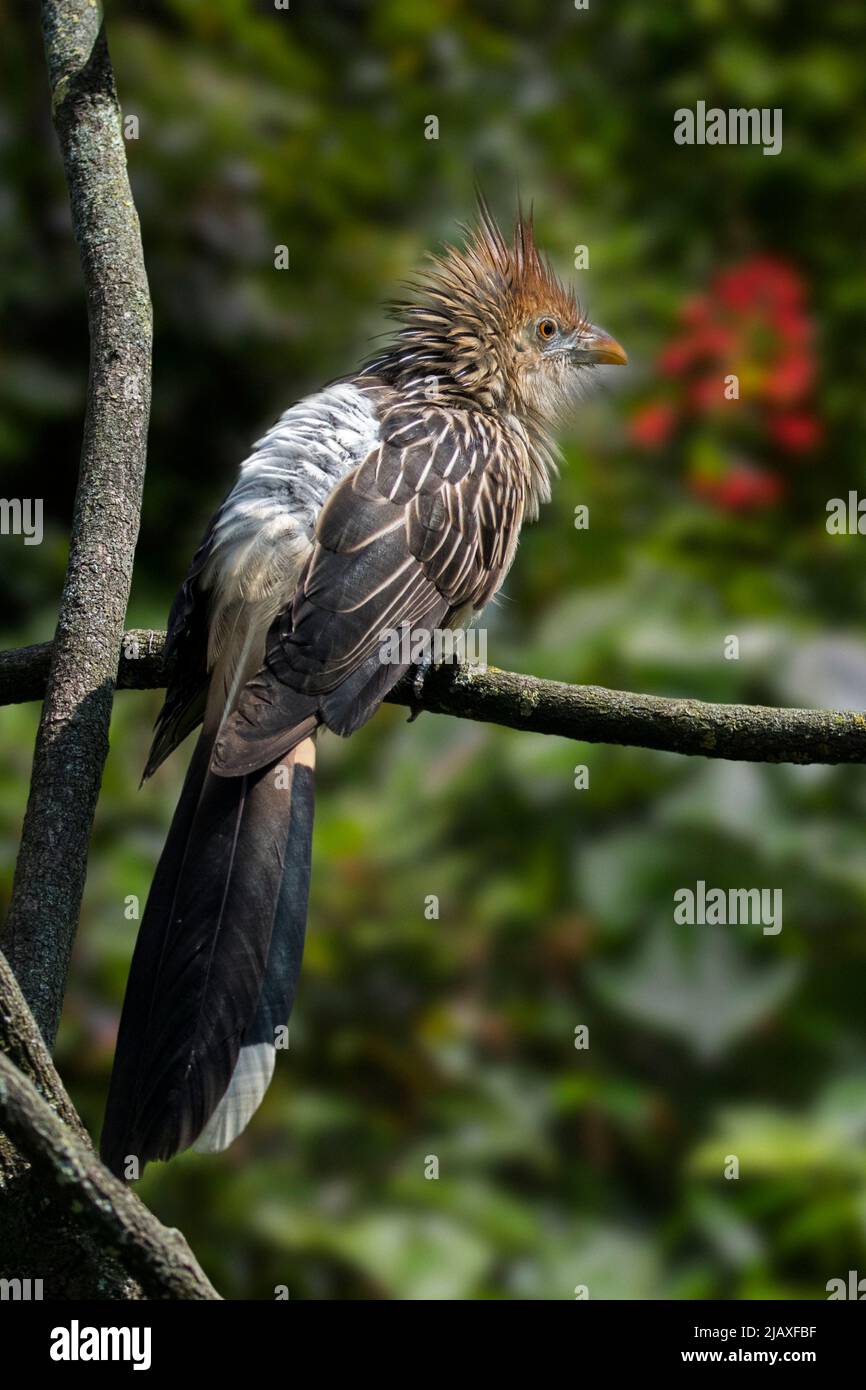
<point>422,670</point>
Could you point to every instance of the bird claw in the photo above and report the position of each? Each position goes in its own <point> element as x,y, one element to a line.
<point>421,671</point>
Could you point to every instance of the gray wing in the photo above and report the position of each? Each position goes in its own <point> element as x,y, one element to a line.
<point>425,527</point>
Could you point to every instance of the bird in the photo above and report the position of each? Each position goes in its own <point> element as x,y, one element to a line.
<point>392,498</point>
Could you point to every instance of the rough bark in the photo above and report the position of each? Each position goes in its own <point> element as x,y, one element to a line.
<point>588,713</point>
<point>38,1238</point>
<point>22,1042</point>
<point>73,734</point>
<point>63,1218</point>
<point>98,1204</point>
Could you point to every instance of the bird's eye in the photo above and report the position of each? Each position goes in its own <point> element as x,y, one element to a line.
<point>546,330</point>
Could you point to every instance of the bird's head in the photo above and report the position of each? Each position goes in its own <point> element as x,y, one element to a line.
<point>492,321</point>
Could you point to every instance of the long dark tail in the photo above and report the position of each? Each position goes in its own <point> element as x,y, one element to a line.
<point>216,964</point>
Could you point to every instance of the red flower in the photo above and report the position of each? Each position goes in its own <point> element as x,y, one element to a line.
<point>790,379</point>
<point>750,324</point>
<point>742,489</point>
<point>763,282</point>
<point>696,311</point>
<point>796,433</point>
<point>677,356</point>
<point>706,342</point>
<point>706,394</point>
<point>652,426</point>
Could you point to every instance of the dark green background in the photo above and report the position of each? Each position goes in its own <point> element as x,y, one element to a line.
<point>454,1038</point>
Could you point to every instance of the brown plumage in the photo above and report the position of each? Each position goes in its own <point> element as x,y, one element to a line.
<point>394,497</point>
<point>425,530</point>
<point>471,311</point>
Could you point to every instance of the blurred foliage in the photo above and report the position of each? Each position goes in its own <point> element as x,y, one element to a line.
<point>454,1038</point>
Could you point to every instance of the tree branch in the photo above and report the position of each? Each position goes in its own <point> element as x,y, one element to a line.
<point>88,1219</point>
<point>156,1255</point>
<point>589,713</point>
<point>73,734</point>
<point>23,1044</point>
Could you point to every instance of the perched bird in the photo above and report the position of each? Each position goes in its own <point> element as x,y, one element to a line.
<point>394,496</point>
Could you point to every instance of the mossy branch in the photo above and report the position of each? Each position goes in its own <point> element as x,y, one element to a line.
<point>587,713</point>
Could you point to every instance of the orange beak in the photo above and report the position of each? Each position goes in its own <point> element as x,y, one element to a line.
<point>595,347</point>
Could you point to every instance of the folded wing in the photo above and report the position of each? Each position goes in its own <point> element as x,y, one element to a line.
<point>424,529</point>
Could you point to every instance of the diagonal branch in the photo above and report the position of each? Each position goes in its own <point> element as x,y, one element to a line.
<point>589,713</point>
<point>23,1044</point>
<point>73,734</point>
<point>157,1256</point>
<point>85,1216</point>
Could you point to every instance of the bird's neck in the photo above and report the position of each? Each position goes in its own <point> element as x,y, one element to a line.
<point>426,379</point>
